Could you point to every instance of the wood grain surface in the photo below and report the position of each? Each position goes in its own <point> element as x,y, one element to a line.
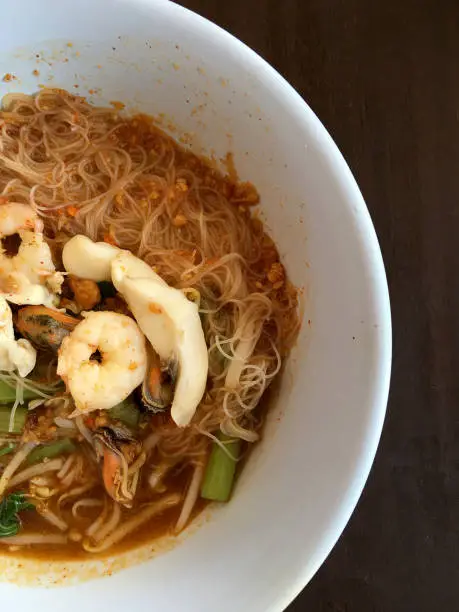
<point>383,76</point>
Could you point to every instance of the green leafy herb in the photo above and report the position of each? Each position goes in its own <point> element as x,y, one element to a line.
<point>10,507</point>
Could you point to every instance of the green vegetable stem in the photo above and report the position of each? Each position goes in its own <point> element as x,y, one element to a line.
<point>8,393</point>
<point>19,419</point>
<point>219,474</point>
<point>48,451</point>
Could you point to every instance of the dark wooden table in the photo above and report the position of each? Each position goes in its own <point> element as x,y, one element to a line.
<point>383,76</point>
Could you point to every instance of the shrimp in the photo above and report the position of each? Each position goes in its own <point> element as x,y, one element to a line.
<point>169,320</point>
<point>28,277</point>
<point>101,385</point>
<point>15,217</point>
<point>14,354</point>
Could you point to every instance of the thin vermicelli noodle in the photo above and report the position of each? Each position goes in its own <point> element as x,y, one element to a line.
<point>119,180</point>
<point>135,196</point>
<point>35,470</point>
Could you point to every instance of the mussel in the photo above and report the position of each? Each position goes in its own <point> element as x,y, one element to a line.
<point>122,456</point>
<point>158,385</point>
<point>44,327</point>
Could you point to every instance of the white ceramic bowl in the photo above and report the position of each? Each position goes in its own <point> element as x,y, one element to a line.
<point>301,485</point>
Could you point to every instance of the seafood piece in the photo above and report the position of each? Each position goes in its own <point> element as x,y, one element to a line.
<point>29,276</point>
<point>122,457</point>
<point>127,264</point>
<point>171,323</point>
<point>44,327</point>
<point>160,324</point>
<point>86,292</point>
<point>93,260</point>
<point>147,300</point>
<point>99,261</point>
<point>166,316</point>
<point>157,386</point>
<point>15,217</point>
<point>14,354</point>
<point>123,360</point>
<point>87,259</point>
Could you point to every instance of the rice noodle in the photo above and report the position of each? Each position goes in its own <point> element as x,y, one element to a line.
<point>70,477</point>
<point>84,430</point>
<point>221,444</point>
<point>35,404</point>
<point>52,518</point>
<point>53,465</point>
<point>45,391</point>
<point>29,539</point>
<point>126,491</point>
<point>42,493</point>
<point>191,497</point>
<point>158,473</point>
<point>137,464</point>
<point>64,423</point>
<point>18,400</point>
<point>151,442</point>
<point>20,383</point>
<point>43,481</point>
<point>73,473</point>
<point>14,463</point>
<point>86,502</point>
<point>110,525</point>
<point>134,482</point>
<point>242,352</point>
<point>130,525</point>
<point>75,492</point>
<point>231,428</point>
<point>59,402</point>
<point>95,526</point>
<point>66,467</point>
<point>10,100</point>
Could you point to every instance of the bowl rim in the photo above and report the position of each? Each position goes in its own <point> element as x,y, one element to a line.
<point>377,284</point>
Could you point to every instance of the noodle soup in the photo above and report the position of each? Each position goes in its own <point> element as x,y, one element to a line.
<point>145,311</point>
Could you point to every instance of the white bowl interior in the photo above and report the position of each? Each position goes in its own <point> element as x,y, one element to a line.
<point>303,481</point>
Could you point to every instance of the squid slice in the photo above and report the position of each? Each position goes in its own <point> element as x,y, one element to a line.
<point>154,318</point>
<point>87,259</point>
<point>145,297</point>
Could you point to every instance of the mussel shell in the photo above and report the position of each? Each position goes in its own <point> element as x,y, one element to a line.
<point>172,369</point>
<point>113,438</point>
<point>158,386</point>
<point>44,327</point>
<point>125,449</point>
